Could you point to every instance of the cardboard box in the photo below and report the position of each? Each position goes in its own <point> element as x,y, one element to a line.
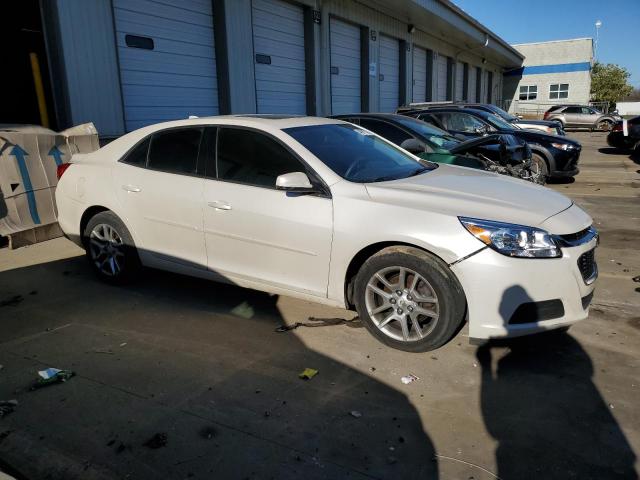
<point>29,157</point>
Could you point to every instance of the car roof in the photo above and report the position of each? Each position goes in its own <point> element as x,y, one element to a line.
<point>480,113</point>
<point>265,121</point>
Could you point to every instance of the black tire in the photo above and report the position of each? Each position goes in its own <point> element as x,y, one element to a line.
<point>129,264</point>
<point>541,168</point>
<point>450,296</point>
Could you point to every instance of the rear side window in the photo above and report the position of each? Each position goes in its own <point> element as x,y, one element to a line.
<point>252,158</point>
<point>138,155</point>
<point>175,151</point>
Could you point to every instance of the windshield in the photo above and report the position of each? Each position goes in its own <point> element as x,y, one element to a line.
<point>356,154</point>
<point>499,122</point>
<point>507,116</point>
<point>437,137</point>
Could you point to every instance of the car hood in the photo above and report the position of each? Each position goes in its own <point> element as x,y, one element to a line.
<point>466,192</point>
<point>464,147</point>
<point>534,136</point>
<point>545,123</point>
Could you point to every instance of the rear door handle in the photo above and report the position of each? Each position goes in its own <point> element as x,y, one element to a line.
<point>219,205</point>
<point>131,188</point>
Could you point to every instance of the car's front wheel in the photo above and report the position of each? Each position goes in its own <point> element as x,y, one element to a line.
<point>409,299</point>
<point>539,169</point>
<point>110,248</point>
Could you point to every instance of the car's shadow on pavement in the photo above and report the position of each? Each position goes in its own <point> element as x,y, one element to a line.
<point>540,403</point>
<point>195,360</point>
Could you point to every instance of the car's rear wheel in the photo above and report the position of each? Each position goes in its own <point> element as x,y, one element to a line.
<point>539,169</point>
<point>110,248</point>
<point>605,125</point>
<point>409,299</point>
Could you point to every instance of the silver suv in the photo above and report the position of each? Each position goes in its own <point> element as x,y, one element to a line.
<point>580,116</point>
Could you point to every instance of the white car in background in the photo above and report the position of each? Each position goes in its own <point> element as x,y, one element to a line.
<point>326,211</point>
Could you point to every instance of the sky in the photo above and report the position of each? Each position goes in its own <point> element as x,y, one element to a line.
<point>520,21</point>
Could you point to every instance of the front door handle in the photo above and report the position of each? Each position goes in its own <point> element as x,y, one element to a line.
<point>219,205</point>
<point>131,188</point>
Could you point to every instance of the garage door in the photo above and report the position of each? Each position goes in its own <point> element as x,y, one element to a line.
<point>472,84</point>
<point>459,80</point>
<point>345,67</point>
<point>389,74</point>
<point>442,78</point>
<point>278,44</point>
<point>167,60</point>
<point>419,75</point>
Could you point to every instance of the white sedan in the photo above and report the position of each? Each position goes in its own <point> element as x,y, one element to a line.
<point>326,211</point>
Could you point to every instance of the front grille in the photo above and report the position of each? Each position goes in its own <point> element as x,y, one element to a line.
<point>575,237</point>
<point>587,265</point>
<point>531,312</point>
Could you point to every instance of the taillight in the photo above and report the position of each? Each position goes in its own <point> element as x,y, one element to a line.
<point>61,169</point>
<point>546,115</point>
<point>617,127</point>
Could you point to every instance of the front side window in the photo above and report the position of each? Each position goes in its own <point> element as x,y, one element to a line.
<point>175,151</point>
<point>252,158</point>
<point>528,92</point>
<point>386,130</point>
<point>462,122</point>
<point>558,91</point>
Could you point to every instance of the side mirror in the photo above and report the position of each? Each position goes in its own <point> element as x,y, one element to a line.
<point>412,145</point>
<point>481,130</point>
<point>294,182</point>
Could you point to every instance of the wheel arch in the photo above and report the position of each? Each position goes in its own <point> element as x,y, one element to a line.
<point>87,215</point>
<point>363,255</point>
<point>544,153</point>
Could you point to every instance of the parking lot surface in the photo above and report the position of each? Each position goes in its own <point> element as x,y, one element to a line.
<point>201,364</point>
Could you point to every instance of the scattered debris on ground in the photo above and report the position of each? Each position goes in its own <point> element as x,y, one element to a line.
<point>321,322</point>
<point>409,378</point>
<point>123,344</point>
<point>7,407</point>
<point>308,373</point>
<point>157,441</point>
<point>636,279</point>
<point>51,376</point>
<point>11,301</point>
<point>107,351</point>
<point>355,414</point>
<point>244,310</point>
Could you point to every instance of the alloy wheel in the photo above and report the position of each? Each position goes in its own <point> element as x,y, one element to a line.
<point>107,249</point>
<point>402,303</point>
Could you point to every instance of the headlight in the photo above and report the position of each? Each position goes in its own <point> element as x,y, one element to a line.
<point>513,240</point>
<point>563,146</point>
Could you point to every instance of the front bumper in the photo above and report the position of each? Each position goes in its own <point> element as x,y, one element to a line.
<point>566,163</point>
<point>501,290</point>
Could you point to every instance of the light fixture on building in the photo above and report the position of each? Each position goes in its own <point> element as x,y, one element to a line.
<point>411,29</point>
<point>595,47</point>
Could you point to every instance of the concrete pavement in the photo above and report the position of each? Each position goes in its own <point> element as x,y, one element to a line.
<point>176,355</point>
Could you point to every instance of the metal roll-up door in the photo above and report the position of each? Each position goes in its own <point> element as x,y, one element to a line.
<point>459,81</point>
<point>441,92</point>
<point>345,67</point>
<point>278,45</point>
<point>472,84</point>
<point>419,75</point>
<point>389,76</point>
<point>167,60</point>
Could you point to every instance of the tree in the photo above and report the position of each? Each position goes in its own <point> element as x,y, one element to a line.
<point>609,83</point>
